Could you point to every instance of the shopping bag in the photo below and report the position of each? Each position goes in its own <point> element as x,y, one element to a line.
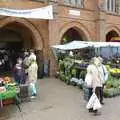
<point>97,104</point>
<point>94,102</point>
<point>91,101</point>
<point>33,88</point>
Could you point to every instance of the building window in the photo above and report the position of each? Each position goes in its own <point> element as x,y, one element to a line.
<point>110,5</point>
<point>79,3</point>
<point>40,0</point>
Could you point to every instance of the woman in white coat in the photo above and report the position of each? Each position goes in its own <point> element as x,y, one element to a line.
<point>32,77</point>
<point>94,79</point>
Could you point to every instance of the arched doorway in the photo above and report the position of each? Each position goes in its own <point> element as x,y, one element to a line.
<point>73,34</point>
<point>14,38</point>
<point>18,34</point>
<point>111,35</point>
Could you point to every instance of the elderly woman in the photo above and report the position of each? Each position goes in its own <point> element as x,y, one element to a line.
<point>94,79</point>
<point>32,77</point>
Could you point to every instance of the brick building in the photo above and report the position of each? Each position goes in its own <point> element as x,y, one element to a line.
<point>88,20</point>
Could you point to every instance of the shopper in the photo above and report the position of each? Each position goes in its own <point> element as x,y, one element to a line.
<point>26,65</point>
<point>94,80</point>
<point>32,77</point>
<point>18,71</point>
<point>32,55</point>
<point>104,75</point>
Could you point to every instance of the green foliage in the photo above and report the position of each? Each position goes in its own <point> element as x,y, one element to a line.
<point>73,72</point>
<point>112,87</point>
<point>83,73</point>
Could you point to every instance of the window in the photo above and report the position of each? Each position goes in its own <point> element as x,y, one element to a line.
<point>111,5</point>
<point>79,3</point>
<point>40,0</point>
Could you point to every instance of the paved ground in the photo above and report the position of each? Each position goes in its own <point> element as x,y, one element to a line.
<point>57,101</point>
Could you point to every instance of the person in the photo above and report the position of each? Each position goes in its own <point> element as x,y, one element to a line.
<point>32,77</point>
<point>93,80</point>
<point>26,64</point>
<point>32,55</point>
<point>18,71</point>
<point>104,75</point>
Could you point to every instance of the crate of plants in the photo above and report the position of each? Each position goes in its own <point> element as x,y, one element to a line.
<point>112,87</point>
<point>115,72</point>
<point>7,89</point>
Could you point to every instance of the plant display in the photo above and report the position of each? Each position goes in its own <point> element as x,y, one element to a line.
<point>115,70</point>
<point>65,67</point>
<point>7,88</point>
<point>112,87</point>
<point>68,72</point>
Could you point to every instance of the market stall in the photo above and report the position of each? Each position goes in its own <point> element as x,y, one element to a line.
<point>8,92</point>
<point>76,57</point>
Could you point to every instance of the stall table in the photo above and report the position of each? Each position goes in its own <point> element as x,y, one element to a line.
<point>11,93</point>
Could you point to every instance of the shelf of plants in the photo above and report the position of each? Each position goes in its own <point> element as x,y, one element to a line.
<point>8,90</point>
<point>74,73</point>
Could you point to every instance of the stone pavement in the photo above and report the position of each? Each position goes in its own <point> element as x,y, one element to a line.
<point>58,101</point>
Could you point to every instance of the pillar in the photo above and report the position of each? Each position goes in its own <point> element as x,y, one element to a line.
<point>101,26</point>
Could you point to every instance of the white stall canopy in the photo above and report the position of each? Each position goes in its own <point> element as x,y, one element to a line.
<point>72,45</point>
<point>84,44</point>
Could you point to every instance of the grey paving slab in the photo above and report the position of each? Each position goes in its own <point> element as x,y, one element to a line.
<point>58,101</point>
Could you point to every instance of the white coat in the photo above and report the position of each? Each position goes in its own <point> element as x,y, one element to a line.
<point>93,77</point>
<point>32,72</point>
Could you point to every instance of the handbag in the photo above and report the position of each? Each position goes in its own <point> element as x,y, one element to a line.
<point>93,102</point>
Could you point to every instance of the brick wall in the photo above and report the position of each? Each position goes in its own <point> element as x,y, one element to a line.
<point>93,23</point>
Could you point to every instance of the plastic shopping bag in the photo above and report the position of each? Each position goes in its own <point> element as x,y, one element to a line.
<point>91,101</point>
<point>97,104</point>
<point>33,88</point>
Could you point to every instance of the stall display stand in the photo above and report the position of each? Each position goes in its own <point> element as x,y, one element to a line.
<point>15,98</point>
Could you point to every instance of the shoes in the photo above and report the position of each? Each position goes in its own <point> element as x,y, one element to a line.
<point>34,94</point>
<point>32,97</point>
<point>97,113</point>
<point>91,110</point>
<point>102,103</point>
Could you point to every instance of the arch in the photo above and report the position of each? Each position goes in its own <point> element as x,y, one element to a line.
<point>37,38</point>
<point>113,28</point>
<point>112,31</point>
<point>78,27</point>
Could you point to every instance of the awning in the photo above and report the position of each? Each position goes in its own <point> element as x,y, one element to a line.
<point>72,45</point>
<point>84,44</point>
